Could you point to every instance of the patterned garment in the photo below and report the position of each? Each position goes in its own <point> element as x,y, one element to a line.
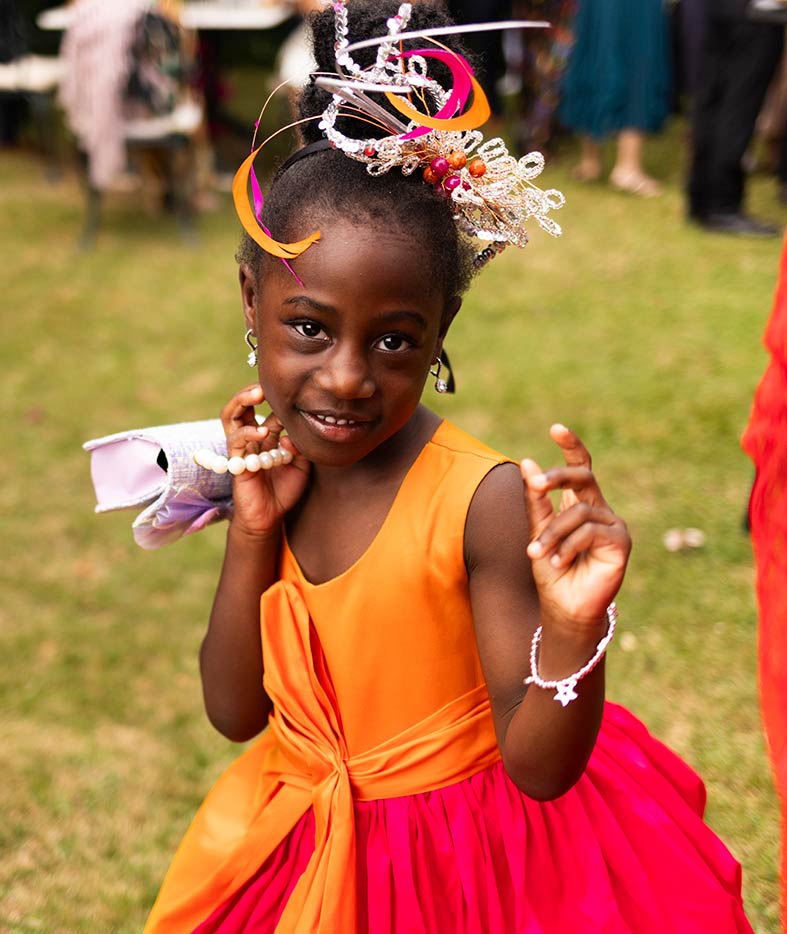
<point>544,59</point>
<point>96,56</point>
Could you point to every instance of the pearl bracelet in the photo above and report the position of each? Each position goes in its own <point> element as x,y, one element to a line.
<point>564,688</point>
<point>265,460</point>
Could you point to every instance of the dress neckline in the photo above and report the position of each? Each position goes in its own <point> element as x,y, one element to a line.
<point>303,579</point>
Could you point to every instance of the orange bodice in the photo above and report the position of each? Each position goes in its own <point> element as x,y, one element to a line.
<point>377,691</point>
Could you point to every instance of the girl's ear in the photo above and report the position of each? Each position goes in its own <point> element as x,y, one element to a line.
<point>451,308</point>
<point>248,292</point>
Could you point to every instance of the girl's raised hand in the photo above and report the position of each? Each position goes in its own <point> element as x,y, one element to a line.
<point>579,553</point>
<point>260,499</point>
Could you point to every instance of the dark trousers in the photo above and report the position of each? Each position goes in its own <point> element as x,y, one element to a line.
<point>738,61</point>
<point>487,47</point>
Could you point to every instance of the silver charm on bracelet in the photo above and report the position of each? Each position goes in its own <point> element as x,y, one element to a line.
<point>218,463</point>
<point>565,688</point>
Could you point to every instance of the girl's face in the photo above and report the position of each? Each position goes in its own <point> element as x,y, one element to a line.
<point>343,358</point>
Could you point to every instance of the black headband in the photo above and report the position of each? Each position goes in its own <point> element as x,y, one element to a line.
<point>303,153</point>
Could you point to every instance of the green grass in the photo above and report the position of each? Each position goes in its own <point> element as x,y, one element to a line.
<point>637,330</point>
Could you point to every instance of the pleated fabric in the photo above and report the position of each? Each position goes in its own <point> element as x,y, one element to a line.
<point>618,74</point>
<point>624,852</point>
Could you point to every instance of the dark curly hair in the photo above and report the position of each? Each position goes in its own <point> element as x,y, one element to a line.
<point>329,184</point>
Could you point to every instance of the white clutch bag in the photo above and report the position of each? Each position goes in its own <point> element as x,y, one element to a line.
<point>154,468</point>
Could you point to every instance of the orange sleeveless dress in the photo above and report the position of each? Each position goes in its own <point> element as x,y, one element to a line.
<point>376,800</point>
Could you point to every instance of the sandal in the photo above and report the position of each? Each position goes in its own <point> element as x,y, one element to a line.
<point>635,183</point>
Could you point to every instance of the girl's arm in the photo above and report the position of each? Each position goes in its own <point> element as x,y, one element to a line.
<point>231,660</point>
<point>559,570</point>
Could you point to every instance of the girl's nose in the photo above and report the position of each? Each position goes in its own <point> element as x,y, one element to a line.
<point>346,375</point>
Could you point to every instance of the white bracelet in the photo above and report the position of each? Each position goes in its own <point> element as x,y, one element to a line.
<point>564,688</point>
<point>265,460</point>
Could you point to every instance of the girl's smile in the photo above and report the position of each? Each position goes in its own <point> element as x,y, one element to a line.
<point>344,357</point>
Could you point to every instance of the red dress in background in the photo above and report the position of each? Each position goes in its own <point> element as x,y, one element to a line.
<point>765,440</point>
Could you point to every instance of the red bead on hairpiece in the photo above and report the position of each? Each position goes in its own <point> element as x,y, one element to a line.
<point>439,165</point>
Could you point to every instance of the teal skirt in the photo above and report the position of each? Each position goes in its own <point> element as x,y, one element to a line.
<point>618,76</point>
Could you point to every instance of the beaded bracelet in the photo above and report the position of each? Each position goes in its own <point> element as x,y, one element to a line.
<point>564,688</point>
<point>265,460</point>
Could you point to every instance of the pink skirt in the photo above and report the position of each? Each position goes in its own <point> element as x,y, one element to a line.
<point>624,852</point>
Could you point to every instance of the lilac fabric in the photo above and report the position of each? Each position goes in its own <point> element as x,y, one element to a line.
<point>178,500</point>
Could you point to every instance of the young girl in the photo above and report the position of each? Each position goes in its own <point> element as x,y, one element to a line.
<point>401,611</point>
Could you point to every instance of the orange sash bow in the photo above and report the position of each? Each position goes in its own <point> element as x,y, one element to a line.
<point>301,762</point>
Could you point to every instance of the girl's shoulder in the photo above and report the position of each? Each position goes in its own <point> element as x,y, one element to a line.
<point>454,469</point>
<point>455,440</point>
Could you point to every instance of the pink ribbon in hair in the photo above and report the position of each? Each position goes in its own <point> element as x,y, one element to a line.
<point>259,203</point>
<point>460,70</point>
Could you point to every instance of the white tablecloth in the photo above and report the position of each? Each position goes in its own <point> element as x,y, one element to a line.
<point>199,16</point>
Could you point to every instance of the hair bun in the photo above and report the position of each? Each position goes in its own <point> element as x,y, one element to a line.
<point>366,19</point>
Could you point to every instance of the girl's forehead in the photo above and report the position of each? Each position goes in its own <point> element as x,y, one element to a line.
<point>358,285</point>
<point>365,254</point>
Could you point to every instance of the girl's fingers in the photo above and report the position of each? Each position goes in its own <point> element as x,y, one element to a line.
<point>248,439</point>
<point>275,428</point>
<point>565,524</point>
<point>539,505</point>
<point>574,451</point>
<point>240,409</point>
<point>588,535</point>
<point>579,479</point>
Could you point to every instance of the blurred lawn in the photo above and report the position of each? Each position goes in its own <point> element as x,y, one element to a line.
<point>637,330</point>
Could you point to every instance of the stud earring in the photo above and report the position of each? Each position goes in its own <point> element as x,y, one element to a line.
<point>440,384</point>
<point>252,357</point>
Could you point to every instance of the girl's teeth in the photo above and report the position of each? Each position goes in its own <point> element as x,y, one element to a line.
<point>330,420</point>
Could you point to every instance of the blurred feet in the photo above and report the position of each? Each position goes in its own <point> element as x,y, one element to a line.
<point>634,183</point>
<point>738,224</point>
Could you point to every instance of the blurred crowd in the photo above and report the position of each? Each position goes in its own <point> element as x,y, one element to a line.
<point>129,79</point>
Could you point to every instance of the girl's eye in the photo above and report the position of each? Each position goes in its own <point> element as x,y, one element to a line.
<point>309,329</point>
<point>394,342</point>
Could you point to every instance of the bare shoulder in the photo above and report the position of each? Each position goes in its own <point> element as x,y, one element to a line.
<point>497,519</point>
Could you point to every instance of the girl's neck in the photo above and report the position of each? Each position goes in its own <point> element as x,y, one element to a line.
<point>345,508</point>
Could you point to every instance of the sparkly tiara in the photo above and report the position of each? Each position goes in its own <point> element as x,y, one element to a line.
<point>491,193</point>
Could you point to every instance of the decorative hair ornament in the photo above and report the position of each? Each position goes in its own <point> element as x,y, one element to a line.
<point>492,194</point>
<point>565,688</point>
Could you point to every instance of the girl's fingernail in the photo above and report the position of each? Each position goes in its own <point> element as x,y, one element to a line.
<point>535,549</point>
<point>539,479</point>
<point>560,427</point>
<point>263,431</point>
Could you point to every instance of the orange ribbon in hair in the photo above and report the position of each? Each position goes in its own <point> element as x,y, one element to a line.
<point>240,195</point>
